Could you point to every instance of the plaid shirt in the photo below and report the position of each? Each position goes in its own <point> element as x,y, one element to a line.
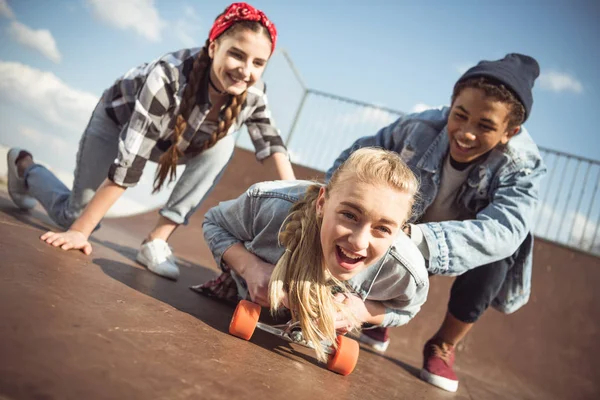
<point>145,102</point>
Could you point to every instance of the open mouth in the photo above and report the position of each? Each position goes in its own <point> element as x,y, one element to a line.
<point>347,259</point>
<point>463,146</point>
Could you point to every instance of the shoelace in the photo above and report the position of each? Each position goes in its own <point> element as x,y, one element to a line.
<point>166,249</point>
<point>171,256</point>
<point>443,351</point>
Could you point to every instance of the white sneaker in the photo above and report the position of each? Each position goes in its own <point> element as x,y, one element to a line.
<point>157,256</point>
<point>17,188</point>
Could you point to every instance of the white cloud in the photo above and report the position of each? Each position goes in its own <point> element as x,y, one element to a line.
<point>123,207</point>
<point>53,143</point>
<point>40,40</point>
<point>139,15</point>
<point>66,112</point>
<point>419,107</point>
<point>188,28</point>
<point>462,68</point>
<point>5,10</point>
<point>559,82</point>
<point>44,93</point>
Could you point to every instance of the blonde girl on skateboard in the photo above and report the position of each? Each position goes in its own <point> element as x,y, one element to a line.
<point>179,109</point>
<point>334,254</point>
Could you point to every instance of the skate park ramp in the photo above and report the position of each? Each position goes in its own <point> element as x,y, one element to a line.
<point>102,327</point>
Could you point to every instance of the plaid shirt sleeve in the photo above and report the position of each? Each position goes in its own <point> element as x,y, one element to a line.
<point>139,135</point>
<point>261,127</point>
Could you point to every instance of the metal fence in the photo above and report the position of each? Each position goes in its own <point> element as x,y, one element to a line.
<point>570,205</point>
<point>317,126</point>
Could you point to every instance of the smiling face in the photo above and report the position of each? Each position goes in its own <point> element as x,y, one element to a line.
<point>239,59</point>
<point>477,123</point>
<point>360,222</point>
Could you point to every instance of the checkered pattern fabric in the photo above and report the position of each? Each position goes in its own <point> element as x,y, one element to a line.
<point>145,103</point>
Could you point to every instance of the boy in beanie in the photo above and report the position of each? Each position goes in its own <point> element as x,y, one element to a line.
<point>479,171</point>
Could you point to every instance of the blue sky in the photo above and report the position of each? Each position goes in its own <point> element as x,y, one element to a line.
<point>57,57</point>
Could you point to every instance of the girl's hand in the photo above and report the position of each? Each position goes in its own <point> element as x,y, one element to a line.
<point>257,278</point>
<point>354,305</point>
<point>68,240</point>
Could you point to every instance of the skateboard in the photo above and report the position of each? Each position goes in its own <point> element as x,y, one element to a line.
<point>245,320</point>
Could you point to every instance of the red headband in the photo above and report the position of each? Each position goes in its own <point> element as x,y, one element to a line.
<point>242,12</point>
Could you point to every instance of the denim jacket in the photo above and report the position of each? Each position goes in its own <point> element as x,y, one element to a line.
<point>501,191</point>
<point>399,279</point>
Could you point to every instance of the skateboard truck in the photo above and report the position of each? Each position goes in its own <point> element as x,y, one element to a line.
<point>245,321</point>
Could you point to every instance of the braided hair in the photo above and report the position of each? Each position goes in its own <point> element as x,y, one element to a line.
<point>167,163</point>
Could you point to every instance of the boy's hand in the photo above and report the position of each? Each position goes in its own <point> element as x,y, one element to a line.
<point>68,240</point>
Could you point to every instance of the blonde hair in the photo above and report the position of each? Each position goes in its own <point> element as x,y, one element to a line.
<point>300,272</point>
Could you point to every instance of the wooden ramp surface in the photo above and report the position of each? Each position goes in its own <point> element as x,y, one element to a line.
<point>102,327</point>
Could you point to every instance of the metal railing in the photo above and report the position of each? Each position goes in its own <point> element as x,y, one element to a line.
<point>321,125</point>
<point>570,204</point>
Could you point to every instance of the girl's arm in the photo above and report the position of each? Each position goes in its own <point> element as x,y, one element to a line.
<point>77,235</point>
<point>283,166</point>
<point>368,311</point>
<point>255,272</point>
<point>151,105</point>
<point>231,224</point>
<point>266,138</point>
<point>375,312</point>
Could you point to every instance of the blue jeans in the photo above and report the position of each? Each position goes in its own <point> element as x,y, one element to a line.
<point>475,290</point>
<point>97,151</point>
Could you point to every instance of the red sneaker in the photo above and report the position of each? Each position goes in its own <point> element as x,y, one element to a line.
<point>376,338</point>
<point>438,359</point>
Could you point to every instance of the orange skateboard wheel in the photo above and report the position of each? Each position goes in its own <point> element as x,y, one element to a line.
<point>345,357</point>
<point>244,320</point>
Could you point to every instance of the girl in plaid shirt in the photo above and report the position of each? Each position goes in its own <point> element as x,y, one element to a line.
<point>179,109</point>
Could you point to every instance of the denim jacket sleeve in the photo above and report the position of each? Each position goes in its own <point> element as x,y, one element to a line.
<point>253,219</point>
<point>401,284</point>
<point>229,223</point>
<point>498,230</point>
<point>410,295</point>
<point>404,307</point>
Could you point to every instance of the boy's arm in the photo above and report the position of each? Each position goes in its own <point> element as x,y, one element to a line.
<point>497,231</point>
